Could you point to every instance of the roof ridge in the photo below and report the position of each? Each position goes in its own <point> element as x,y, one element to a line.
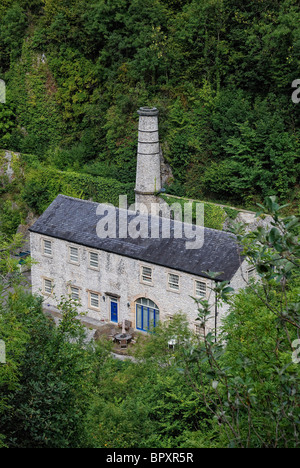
<point>149,215</point>
<point>75,220</point>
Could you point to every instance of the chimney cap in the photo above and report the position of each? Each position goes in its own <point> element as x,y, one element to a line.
<point>148,111</point>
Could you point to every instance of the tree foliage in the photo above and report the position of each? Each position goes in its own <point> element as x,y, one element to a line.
<point>254,380</point>
<point>46,378</point>
<point>219,71</point>
<point>238,388</point>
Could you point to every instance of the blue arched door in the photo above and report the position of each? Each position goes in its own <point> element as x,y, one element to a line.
<point>147,315</point>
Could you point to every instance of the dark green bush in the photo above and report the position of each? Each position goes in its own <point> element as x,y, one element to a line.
<point>43,185</point>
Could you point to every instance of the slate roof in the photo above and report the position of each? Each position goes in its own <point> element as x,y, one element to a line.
<point>75,221</point>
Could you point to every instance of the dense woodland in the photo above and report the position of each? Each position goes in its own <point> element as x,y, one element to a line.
<point>220,72</point>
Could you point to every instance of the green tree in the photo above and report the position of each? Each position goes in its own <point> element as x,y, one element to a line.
<point>148,403</point>
<point>46,381</point>
<point>7,124</point>
<point>12,30</point>
<point>254,383</point>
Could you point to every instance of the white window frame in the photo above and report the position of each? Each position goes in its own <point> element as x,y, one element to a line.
<point>200,296</point>
<point>44,248</point>
<point>93,267</point>
<point>72,286</point>
<point>252,275</point>
<point>45,292</point>
<point>74,262</point>
<point>169,275</point>
<point>199,331</point>
<point>142,275</point>
<point>90,293</point>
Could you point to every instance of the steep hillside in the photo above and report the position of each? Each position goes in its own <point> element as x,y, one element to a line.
<point>220,72</point>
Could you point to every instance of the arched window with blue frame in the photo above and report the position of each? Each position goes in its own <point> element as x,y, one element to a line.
<point>147,315</point>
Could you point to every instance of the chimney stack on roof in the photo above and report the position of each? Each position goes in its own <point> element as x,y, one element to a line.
<point>148,176</point>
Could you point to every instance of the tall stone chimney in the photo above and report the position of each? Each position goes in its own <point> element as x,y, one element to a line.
<point>148,175</point>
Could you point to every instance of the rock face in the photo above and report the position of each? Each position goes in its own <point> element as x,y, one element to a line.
<point>166,170</point>
<point>6,165</point>
<point>250,221</point>
<point>24,230</point>
<point>9,170</point>
<point>2,92</point>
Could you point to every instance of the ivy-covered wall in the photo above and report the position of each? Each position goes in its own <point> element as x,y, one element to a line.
<point>214,215</point>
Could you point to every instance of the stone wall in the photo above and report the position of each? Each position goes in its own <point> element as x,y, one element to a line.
<point>118,277</point>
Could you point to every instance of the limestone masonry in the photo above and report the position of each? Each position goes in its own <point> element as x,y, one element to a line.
<point>136,278</point>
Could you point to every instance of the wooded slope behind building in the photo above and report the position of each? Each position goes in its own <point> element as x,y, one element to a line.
<point>220,72</point>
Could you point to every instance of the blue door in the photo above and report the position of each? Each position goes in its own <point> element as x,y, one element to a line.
<point>114,311</point>
<point>147,315</point>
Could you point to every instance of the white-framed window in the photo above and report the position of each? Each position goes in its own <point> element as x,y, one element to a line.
<point>200,288</point>
<point>147,314</point>
<point>94,260</point>
<point>74,255</point>
<point>173,282</point>
<point>74,292</point>
<point>48,286</point>
<point>250,273</point>
<point>94,300</point>
<point>199,330</point>
<point>47,247</point>
<point>146,275</point>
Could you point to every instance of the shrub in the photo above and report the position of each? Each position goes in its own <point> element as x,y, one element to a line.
<point>43,185</point>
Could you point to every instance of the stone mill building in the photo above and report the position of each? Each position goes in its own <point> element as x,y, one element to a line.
<point>121,264</point>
